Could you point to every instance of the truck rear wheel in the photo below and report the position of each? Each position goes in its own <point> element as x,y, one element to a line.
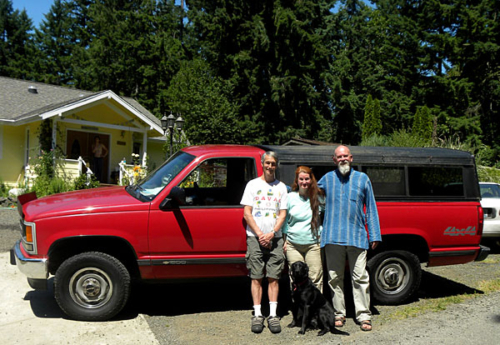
<point>394,276</point>
<point>92,286</point>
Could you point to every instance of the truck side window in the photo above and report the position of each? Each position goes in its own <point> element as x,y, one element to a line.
<point>436,181</point>
<point>218,182</point>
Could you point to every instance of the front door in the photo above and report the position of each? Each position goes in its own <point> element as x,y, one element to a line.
<point>206,237</point>
<point>79,144</point>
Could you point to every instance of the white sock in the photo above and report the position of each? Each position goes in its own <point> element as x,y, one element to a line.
<point>256,310</point>
<point>272,308</point>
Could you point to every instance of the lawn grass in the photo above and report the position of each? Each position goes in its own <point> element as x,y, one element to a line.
<point>438,304</point>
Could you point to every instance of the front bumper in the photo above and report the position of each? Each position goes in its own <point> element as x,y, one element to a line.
<point>491,228</point>
<point>31,268</point>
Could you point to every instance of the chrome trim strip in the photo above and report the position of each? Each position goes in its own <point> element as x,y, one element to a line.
<point>144,262</point>
<point>215,261</point>
<point>452,253</point>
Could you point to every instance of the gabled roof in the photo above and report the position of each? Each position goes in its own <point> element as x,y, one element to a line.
<point>25,101</point>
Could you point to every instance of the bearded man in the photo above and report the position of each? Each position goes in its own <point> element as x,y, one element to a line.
<point>344,234</point>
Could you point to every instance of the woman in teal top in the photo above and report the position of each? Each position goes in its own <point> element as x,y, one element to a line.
<point>302,226</point>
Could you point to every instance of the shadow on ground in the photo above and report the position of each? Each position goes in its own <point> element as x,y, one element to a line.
<point>434,286</point>
<point>200,297</point>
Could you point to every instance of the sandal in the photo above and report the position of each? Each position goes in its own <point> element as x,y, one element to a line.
<point>365,323</point>
<point>339,321</point>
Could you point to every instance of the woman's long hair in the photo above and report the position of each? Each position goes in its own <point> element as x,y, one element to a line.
<point>313,197</point>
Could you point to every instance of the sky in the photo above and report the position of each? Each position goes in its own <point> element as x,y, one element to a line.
<point>35,9</point>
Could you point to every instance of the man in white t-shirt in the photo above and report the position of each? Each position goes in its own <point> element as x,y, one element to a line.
<point>265,201</point>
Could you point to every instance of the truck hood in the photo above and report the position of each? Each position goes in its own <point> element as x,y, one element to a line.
<point>96,200</point>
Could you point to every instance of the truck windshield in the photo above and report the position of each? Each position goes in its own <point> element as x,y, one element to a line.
<point>148,188</point>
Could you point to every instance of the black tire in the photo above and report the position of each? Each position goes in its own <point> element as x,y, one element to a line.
<point>394,276</point>
<point>92,286</point>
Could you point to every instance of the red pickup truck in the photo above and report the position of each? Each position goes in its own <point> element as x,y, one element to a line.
<point>184,220</point>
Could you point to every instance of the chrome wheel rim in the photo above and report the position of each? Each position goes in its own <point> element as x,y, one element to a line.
<point>90,287</point>
<point>393,275</point>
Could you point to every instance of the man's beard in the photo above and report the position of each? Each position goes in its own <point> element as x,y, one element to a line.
<point>344,167</point>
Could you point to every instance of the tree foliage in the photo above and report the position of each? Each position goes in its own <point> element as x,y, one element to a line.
<point>422,123</point>
<point>205,101</point>
<point>16,43</point>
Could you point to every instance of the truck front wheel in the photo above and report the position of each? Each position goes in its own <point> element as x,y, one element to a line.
<point>92,286</point>
<point>394,276</point>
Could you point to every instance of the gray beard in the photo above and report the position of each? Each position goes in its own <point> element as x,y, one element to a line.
<point>344,168</point>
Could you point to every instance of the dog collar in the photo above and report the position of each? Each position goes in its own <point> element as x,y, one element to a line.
<point>296,285</point>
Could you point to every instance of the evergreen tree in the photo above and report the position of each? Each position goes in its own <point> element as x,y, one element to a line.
<point>372,125</point>
<point>135,50</point>
<point>354,71</point>
<point>417,119</point>
<point>273,54</point>
<point>368,120</point>
<point>377,122</point>
<point>423,123</point>
<point>55,46</point>
<point>16,44</point>
<point>476,60</point>
<point>204,100</point>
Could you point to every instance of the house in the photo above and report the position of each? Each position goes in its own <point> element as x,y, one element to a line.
<point>76,118</point>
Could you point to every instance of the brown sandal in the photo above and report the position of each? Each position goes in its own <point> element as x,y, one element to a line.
<point>365,323</point>
<point>340,321</point>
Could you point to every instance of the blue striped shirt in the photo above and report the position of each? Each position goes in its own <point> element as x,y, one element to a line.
<point>345,219</point>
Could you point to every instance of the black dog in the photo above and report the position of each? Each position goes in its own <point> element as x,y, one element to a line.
<point>309,304</point>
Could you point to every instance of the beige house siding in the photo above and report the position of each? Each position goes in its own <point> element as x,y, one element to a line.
<point>156,154</point>
<point>69,168</point>
<point>13,153</point>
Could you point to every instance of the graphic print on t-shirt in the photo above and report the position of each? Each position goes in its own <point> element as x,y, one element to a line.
<point>267,203</point>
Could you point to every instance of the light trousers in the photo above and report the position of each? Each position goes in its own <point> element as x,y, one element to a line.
<point>335,257</point>
<point>311,255</point>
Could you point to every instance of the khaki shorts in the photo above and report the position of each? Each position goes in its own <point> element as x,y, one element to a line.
<point>263,262</point>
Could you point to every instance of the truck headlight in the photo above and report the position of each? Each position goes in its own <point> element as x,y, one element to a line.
<point>29,237</point>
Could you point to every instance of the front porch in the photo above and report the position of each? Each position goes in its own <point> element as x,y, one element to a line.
<point>71,169</point>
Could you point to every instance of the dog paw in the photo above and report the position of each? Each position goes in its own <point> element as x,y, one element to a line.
<point>302,332</point>
<point>322,332</point>
<point>291,324</point>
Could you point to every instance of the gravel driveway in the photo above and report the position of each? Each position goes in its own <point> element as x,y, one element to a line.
<point>219,312</point>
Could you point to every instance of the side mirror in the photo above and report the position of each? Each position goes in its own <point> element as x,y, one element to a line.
<point>176,198</point>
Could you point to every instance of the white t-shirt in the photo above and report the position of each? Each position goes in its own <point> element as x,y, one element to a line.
<point>266,200</point>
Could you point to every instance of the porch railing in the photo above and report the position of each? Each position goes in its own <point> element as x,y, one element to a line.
<point>81,164</point>
<point>125,173</point>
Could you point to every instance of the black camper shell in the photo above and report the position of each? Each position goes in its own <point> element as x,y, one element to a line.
<point>396,173</point>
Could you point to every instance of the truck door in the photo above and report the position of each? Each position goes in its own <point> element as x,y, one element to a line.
<point>206,236</point>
